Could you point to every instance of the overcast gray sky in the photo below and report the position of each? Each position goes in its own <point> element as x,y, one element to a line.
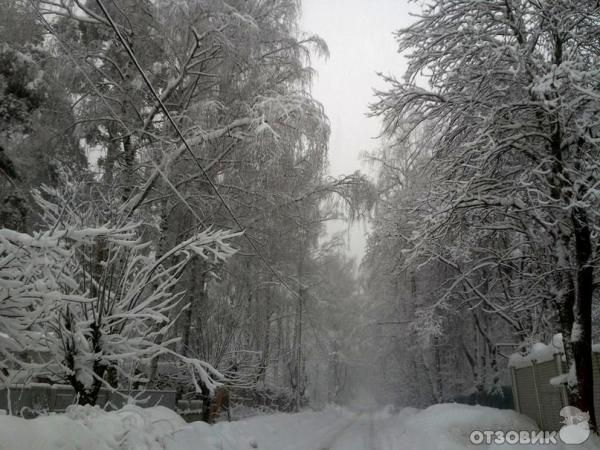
<point>359,36</point>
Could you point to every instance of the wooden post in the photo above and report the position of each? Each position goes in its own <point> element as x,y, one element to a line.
<point>51,398</point>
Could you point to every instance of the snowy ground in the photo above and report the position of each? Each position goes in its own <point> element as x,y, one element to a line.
<point>440,427</point>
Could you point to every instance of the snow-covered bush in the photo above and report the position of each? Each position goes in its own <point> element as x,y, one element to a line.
<point>35,281</point>
<point>92,295</point>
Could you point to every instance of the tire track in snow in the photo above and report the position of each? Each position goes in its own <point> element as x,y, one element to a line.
<point>372,438</point>
<point>338,434</point>
<point>364,430</point>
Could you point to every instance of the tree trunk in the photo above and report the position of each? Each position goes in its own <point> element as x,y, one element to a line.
<point>490,355</point>
<point>582,395</point>
<point>163,244</point>
<point>437,376</point>
<point>112,153</point>
<point>129,159</point>
<point>278,362</point>
<point>197,295</point>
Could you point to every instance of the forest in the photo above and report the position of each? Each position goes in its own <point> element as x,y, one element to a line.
<point>165,193</point>
<point>164,190</point>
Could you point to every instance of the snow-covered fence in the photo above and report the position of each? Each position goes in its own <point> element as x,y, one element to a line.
<point>539,385</point>
<point>33,398</point>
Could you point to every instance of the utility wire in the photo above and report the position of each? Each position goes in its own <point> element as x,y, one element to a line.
<point>107,104</point>
<point>197,162</point>
<point>166,111</point>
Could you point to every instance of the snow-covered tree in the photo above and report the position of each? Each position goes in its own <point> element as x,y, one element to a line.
<point>93,295</point>
<point>235,77</point>
<point>510,105</point>
<point>36,133</point>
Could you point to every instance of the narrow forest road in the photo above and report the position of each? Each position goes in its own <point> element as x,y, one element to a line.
<point>358,434</point>
<point>336,429</point>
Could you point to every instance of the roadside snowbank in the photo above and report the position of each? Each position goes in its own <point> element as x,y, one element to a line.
<point>158,428</point>
<point>439,427</point>
<point>448,427</point>
<point>89,428</point>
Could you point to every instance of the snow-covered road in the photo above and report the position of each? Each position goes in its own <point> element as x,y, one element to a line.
<point>358,433</point>
<point>440,427</point>
<point>337,429</point>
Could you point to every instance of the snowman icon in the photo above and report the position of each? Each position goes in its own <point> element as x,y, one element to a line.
<point>576,428</point>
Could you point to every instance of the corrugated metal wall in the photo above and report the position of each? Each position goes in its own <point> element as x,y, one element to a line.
<point>537,398</point>
<point>526,393</point>
<point>549,396</point>
<point>596,362</point>
<point>44,397</point>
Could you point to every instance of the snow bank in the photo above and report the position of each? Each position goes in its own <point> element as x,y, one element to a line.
<point>307,429</point>
<point>158,428</point>
<point>90,428</point>
<point>439,427</point>
<point>448,426</point>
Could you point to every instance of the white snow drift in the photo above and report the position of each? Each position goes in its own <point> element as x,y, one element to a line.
<point>439,427</point>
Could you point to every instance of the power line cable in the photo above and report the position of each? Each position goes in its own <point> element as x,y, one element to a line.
<point>166,112</point>
<point>67,51</point>
<point>148,83</point>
